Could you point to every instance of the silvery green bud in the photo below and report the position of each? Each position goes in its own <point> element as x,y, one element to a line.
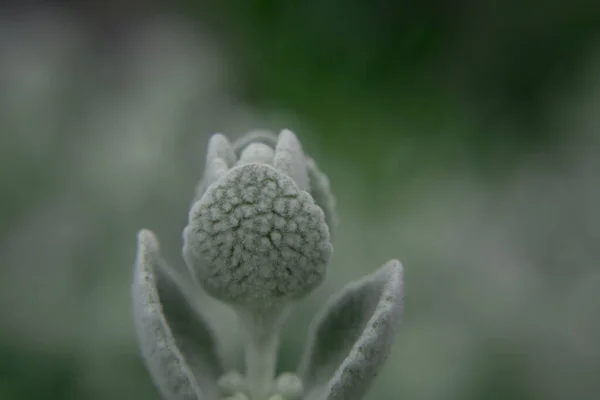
<point>256,237</point>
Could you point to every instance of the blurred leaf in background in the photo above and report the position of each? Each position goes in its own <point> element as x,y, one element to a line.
<point>461,137</point>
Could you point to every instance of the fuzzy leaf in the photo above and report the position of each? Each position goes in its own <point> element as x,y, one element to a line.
<point>350,339</point>
<point>256,153</point>
<point>322,194</point>
<point>257,136</point>
<point>219,158</point>
<point>177,344</point>
<point>289,158</point>
<point>220,147</point>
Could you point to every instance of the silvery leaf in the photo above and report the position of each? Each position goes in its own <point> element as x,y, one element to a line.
<point>289,158</point>
<point>322,194</point>
<point>256,153</point>
<point>257,136</point>
<point>226,154</point>
<point>178,346</point>
<point>220,147</point>
<point>350,339</point>
<point>219,158</point>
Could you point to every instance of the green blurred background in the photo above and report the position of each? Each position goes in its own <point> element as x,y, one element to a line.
<point>462,137</point>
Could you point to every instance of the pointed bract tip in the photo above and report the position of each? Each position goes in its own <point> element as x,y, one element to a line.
<point>219,146</point>
<point>286,132</point>
<point>147,242</point>
<point>394,266</point>
<point>146,236</point>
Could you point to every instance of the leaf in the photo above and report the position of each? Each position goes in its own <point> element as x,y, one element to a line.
<point>289,158</point>
<point>220,147</point>
<point>321,192</point>
<point>219,158</point>
<point>178,346</point>
<point>256,136</point>
<point>350,339</point>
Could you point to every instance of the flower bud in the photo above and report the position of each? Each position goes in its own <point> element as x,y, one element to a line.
<point>255,239</point>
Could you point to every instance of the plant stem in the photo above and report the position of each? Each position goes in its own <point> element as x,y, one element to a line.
<point>261,350</point>
<point>261,357</point>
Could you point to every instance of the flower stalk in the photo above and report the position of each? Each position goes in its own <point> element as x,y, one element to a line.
<point>261,357</point>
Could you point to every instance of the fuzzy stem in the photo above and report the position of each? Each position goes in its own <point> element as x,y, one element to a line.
<point>261,358</point>
<point>261,350</point>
